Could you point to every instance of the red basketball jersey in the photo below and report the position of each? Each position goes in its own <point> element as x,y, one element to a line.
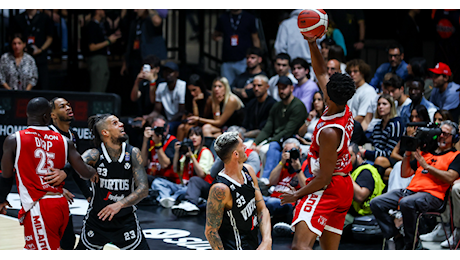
<point>343,121</point>
<point>38,148</point>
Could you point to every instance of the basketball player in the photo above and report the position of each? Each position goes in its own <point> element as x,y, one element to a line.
<point>33,153</point>
<point>235,208</point>
<point>327,196</point>
<point>111,214</point>
<point>62,116</point>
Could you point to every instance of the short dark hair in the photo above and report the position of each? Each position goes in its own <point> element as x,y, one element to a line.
<point>445,114</point>
<point>14,36</point>
<point>52,104</point>
<point>283,56</point>
<point>354,147</point>
<point>422,113</point>
<point>153,60</point>
<point>254,50</point>
<point>417,79</point>
<point>419,67</point>
<point>395,45</point>
<point>328,42</point>
<point>394,81</point>
<point>340,88</point>
<point>300,61</point>
<point>336,52</point>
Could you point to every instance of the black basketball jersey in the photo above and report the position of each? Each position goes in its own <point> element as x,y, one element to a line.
<point>239,229</point>
<point>115,181</point>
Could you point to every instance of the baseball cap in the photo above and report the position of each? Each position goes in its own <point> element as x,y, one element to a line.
<point>171,65</point>
<point>284,80</point>
<point>441,68</point>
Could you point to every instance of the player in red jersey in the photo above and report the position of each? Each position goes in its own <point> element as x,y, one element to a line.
<point>33,155</point>
<point>324,201</point>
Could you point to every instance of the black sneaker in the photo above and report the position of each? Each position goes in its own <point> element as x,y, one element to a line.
<point>282,229</point>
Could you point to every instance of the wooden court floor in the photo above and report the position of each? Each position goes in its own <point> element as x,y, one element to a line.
<point>12,235</point>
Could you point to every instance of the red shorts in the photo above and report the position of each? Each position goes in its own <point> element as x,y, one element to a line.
<point>326,209</point>
<point>45,222</point>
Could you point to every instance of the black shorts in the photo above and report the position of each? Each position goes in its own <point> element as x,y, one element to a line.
<point>124,232</point>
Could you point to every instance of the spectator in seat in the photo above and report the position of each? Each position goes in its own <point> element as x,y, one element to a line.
<point>417,68</point>
<point>336,52</point>
<point>305,88</point>
<point>242,85</point>
<point>284,121</point>
<point>434,173</point>
<point>416,90</point>
<point>386,134</point>
<point>333,66</point>
<point>325,45</point>
<point>258,109</point>
<point>282,68</point>
<point>441,115</point>
<point>306,130</point>
<point>444,94</point>
<point>395,87</point>
<point>395,64</point>
<point>365,93</point>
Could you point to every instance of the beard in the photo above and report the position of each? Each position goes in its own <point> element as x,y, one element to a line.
<point>65,118</point>
<point>286,97</point>
<point>120,139</point>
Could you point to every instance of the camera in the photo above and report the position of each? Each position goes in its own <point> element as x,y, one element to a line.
<point>426,137</point>
<point>159,130</point>
<point>185,145</point>
<point>294,154</point>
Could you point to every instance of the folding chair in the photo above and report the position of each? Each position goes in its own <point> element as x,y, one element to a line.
<point>436,212</point>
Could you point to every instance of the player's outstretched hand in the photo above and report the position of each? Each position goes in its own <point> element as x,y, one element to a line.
<point>68,196</point>
<point>313,39</point>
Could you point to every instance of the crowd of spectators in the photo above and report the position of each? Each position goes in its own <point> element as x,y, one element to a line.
<point>177,121</point>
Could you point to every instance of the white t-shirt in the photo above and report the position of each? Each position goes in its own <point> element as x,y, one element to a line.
<point>171,99</point>
<point>399,107</point>
<point>364,96</point>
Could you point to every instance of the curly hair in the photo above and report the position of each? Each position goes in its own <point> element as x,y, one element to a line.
<point>340,88</point>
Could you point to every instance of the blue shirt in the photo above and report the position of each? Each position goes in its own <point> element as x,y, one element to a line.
<point>406,110</point>
<point>401,71</point>
<point>448,99</point>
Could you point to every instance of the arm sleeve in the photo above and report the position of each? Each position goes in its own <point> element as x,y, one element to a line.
<point>254,161</point>
<point>206,161</point>
<point>365,180</point>
<point>414,165</point>
<point>455,164</point>
<point>217,167</point>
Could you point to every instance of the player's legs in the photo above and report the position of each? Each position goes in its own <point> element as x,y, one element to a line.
<point>129,235</point>
<point>92,237</point>
<point>304,238</point>
<point>45,222</point>
<point>329,240</point>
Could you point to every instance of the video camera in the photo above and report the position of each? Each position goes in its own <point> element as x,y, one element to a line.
<point>426,137</point>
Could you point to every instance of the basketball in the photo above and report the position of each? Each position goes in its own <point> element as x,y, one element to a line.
<point>312,22</point>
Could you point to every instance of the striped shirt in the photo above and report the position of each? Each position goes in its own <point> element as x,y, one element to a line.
<point>385,139</point>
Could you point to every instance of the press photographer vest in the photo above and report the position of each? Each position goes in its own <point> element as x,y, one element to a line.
<point>364,208</point>
<point>155,169</point>
<point>425,182</point>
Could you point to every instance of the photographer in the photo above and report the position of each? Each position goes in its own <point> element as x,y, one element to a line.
<point>194,168</point>
<point>158,151</point>
<point>286,175</point>
<point>434,173</point>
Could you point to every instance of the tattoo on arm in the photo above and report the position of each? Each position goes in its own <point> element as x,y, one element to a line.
<point>90,156</point>
<point>140,180</point>
<point>214,215</point>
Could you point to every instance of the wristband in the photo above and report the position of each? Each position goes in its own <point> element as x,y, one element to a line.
<point>280,163</point>
<point>109,41</point>
<point>217,114</point>
<point>298,171</point>
<point>308,119</point>
<point>160,144</point>
<point>153,84</point>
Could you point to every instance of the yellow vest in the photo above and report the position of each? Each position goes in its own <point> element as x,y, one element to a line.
<point>364,208</point>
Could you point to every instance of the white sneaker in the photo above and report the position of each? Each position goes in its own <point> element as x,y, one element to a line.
<point>282,229</point>
<point>437,235</point>
<point>453,242</point>
<point>167,202</point>
<point>185,208</point>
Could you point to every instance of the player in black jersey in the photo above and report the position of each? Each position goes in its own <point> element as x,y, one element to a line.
<point>120,184</point>
<point>62,116</point>
<point>235,208</point>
